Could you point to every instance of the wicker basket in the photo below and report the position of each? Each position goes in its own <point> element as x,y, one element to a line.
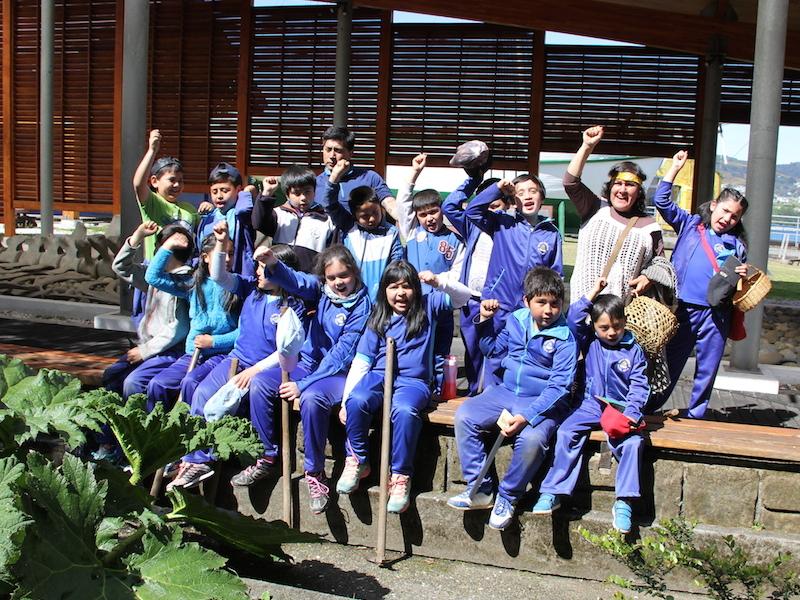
<point>753,289</point>
<point>651,322</point>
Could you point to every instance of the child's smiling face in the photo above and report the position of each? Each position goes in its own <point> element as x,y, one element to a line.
<point>528,197</point>
<point>340,279</point>
<point>545,309</point>
<point>430,217</point>
<point>400,295</point>
<point>168,185</point>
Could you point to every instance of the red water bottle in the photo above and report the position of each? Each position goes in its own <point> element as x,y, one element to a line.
<point>449,390</point>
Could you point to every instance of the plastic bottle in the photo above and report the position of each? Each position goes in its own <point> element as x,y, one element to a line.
<point>449,389</point>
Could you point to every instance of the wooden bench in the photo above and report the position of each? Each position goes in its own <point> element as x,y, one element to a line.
<point>86,367</point>
<point>689,435</point>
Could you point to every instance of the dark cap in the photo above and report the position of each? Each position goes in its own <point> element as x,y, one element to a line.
<point>723,283</point>
<point>225,171</point>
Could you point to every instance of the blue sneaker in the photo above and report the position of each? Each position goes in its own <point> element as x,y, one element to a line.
<point>546,504</point>
<point>462,501</point>
<point>502,513</point>
<point>622,513</point>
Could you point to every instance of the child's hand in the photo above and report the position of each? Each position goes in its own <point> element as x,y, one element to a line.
<point>343,415</point>
<point>242,380</point>
<point>203,341</point>
<point>489,308</point>
<point>270,186</point>
<point>418,162</point>
<point>265,256</point>
<point>250,189</point>
<point>593,135</point>
<point>505,186</point>
<point>134,355</point>
<point>175,241</point>
<point>639,284</point>
<point>679,160</point>
<point>599,286</point>
<point>155,140</point>
<point>205,207</point>
<point>741,270</point>
<point>429,278</point>
<point>221,231</point>
<point>340,168</point>
<point>289,391</point>
<point>515,424</point>
<point>144,230</point>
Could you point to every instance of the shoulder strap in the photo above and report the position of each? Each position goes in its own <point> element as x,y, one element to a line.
<point>618,246</point>
<point>707,247</point>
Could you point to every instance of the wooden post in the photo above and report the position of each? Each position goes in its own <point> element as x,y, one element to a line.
<point>384,94</point>
<point>243,89</point>
<point>537,102</point>
<point>386,445</point>
<point>9,217</point>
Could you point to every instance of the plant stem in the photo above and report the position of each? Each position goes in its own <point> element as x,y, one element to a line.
<point>119,549</point>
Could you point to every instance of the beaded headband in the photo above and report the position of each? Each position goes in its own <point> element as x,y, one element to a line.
<point>627,176</point>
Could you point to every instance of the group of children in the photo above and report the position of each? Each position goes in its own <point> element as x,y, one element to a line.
<point>210,298</point>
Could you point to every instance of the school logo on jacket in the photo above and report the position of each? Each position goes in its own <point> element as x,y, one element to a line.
<point>549,345</point>
<point>339,319</point>
<point>624,365</point>
<point>543,248</point>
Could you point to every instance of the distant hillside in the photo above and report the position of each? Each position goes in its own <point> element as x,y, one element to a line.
<point>787,178</point>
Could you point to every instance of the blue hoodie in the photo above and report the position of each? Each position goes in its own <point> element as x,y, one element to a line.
<point>335,330</point>
<point>539,364</point>
<point>212,320</point>
<point>469,231</point>
<point>518,247</point>
<point>692,267</point>
<point>614,372</point>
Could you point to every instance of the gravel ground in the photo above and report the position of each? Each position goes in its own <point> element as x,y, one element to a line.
<point>326,571</point>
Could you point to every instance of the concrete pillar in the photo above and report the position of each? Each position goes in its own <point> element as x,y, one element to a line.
<point>46,117</point>
<point>344,29</point>
<point>134,115</point>
<point>765,115</point>
<point>706,159</point>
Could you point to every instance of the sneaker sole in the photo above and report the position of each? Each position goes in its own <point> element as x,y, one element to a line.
<point>547,512</point>
<point>472,506</point>
<point>497,528</point>
<point>363,475</point>
<point>193,484</point>
<point>614,525</point>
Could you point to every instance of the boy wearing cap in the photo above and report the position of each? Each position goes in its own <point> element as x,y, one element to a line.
<point>616,390</point>
<point>235,206</point>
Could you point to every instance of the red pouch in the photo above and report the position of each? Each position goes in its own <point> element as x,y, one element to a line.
<point>737,331</point>
<point>617,425</point>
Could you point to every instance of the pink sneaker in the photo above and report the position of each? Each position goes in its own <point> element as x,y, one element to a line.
<point>318,492</point>
<point>399,493</point>
<point>352,474</point>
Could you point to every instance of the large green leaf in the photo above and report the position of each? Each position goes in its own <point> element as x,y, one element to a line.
<point>232,436</point>
<point>183,572</point>
<point>12,520</point>
<point>12,429</point>
<point>151,440</point>
<point>258,537</point>
<point>59,555</point>
<point>12,371</point>
<point>45,388</point>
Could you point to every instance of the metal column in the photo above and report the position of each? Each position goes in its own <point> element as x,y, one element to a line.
<point>134,116</point>
<point>46,117</point>
<point>765,114</point>
<point>344,29</point>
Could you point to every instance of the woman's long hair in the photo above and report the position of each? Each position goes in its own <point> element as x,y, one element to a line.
<point>416,320</point>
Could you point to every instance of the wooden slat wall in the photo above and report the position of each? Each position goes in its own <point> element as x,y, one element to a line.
<point>83,104</point>
<point>194,61</point>
<point>737,89</point>
<point>293,81</point>
<point>645,98</point>
<point>453,83</point>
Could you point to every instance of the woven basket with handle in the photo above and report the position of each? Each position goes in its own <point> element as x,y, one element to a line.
<point>753,289</point>
<point>651,322</point>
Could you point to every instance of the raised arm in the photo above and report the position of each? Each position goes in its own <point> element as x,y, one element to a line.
<point>669,211</point>
<point>590,138</point>
<point>586,202</point>
<point>478,208</point>
<point>329,199</point>
<point>406,219</point>
<point>452,205</point>
<point>157,275</point>
<point>295,283</point>
<point>263,217</point>
<point>230,282</point>
<point>141,177</point>
<point>125,265</point>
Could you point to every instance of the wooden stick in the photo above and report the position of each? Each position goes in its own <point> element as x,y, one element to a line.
<point>386,444</point>
<point>285,456</point>
<point>158,477</point>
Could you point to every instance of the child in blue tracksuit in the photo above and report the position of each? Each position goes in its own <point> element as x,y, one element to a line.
<point>701,327</point>
<point>213,314</point>
<point>318,380</point>
<point>255,348</point>
<point>234,206</point>
<point>539,355</point>
<point>405,314</point>
<point>372,241</point>
<point>432,248</point>
<point>521,241</point>
<point>616,373</point>
<point>477,253</point>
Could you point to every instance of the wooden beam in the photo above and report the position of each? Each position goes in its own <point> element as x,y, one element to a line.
<point>384,94</point>
<point>698,130</point>
<point>656,28</point>
<point>536,124</point>
<point>116,150</point>
<point>9,217</point>
<point>243,88</point>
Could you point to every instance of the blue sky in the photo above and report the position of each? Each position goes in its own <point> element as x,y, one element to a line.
<point>734,139</point>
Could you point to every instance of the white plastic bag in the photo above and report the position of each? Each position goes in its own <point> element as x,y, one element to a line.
<point>289,337</point>
<point>225,402</point>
